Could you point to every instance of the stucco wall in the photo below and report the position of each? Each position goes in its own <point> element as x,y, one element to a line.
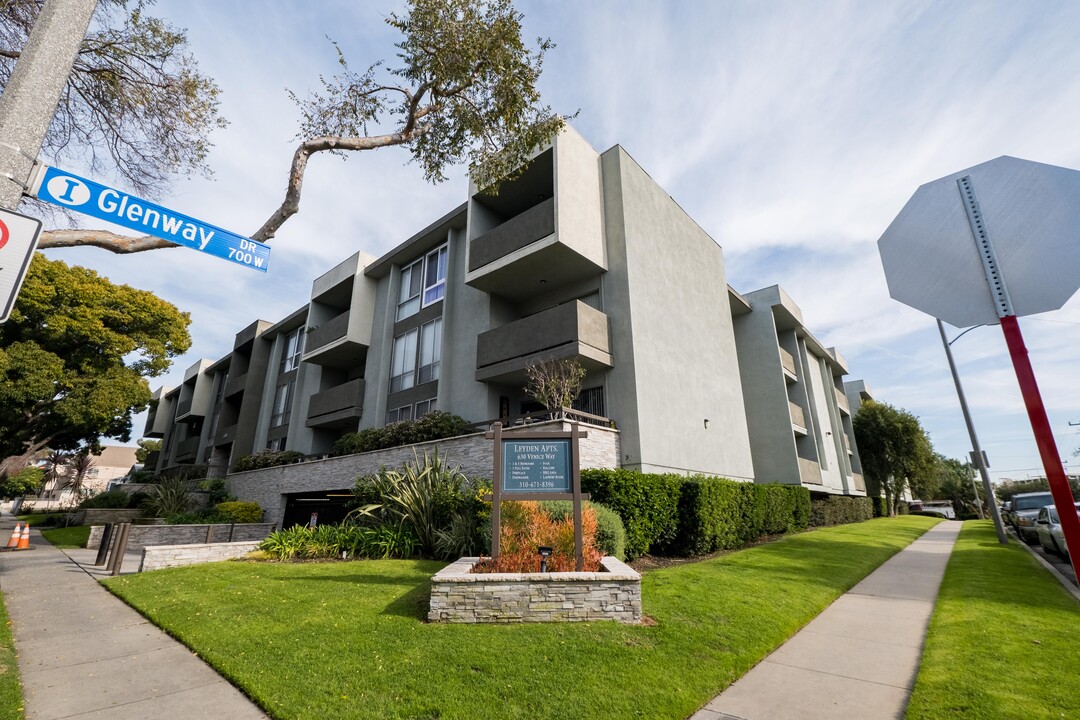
<point>471,453</point>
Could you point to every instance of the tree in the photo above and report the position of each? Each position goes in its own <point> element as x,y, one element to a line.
<point>22,482</point>
<point>894,449</point>
<point>464,89</point>
<point>81,464</point>
<point>555,384</point>
<point>136,105</point>
<point>75,357</point>
<point>954,484</point>
<point>146,446</point>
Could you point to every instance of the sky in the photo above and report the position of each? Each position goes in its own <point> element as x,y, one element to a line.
<point>792,132</point>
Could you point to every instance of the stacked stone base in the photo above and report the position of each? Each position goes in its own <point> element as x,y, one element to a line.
<point>166,556</point>
<point>460,596</point>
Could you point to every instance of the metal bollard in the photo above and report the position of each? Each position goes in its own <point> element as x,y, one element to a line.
<point>103,548</point>
<point>232,525</point>
<point>118,549</point>
<point>209,534</point>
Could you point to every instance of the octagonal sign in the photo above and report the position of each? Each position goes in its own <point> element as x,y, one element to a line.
<point>1031,212</point>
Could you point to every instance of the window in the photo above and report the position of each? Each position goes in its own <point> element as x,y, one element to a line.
<point>282,404</point>
<point>399,414</point>
<point>424,407</point>
<point>409,297</point>
<point>292,349</point>
<point>276,444</point>
<point>435,275</point>
<point>430,351</point>
<point>403,366</point>
<point>427,274</point>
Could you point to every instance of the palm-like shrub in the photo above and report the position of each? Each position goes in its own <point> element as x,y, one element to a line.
<point>171,498</point>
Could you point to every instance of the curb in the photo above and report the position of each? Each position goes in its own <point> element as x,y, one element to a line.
<point>1065,582</point>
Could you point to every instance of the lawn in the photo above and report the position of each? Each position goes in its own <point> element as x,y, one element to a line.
<point>348,639</point>
<point>68,537</point>
<point>11,697</point>
<point>1003,638</point>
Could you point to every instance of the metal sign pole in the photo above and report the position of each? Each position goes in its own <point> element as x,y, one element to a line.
<point>496,491</point>
<point>1040,423</point>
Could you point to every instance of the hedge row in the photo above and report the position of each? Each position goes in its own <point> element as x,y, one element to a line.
<point>434,425</point>
<point>678,515</point>
<point>266,459</point>
<point>839,509</point>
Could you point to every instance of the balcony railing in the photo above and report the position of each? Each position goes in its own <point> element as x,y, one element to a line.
<point>235,384</point>
<point>860,484</point>
<point>337,404</point>
<point>572,329</point>
<point>797,416</point>
<point>225,435</point>
<point>187,448</point>
<point>183,408</point>
<point>534,224</point>
<point>788,361</point>
<point>809,472</point>
<point>841,400</point>
<point>327,332</point>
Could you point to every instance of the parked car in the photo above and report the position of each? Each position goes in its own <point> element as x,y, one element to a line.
<point>1006,512</point>
<point>1048,529</point>
<point>1025,509</point>
<point>944,508</point>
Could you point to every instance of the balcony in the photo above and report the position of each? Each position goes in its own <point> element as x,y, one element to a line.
<point>337,407</point>
<point>534,224</point>
<point>332,345</point>
<point>860,484</point>
<point>225,435</point>
<point>571,330</point>
<point>235,384</point>
<point>788,361</point>
<point>809,472</point>
<point>841,401</point>
<point>798,418</point>
<point>187,449</point>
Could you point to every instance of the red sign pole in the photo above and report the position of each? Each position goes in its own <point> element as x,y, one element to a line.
<point>1044,438</point>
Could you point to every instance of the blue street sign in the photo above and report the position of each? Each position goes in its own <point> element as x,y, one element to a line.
<point>86,196</point>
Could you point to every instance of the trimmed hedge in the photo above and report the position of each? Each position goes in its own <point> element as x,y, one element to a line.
<point>679,515</point>
<point>434,425</point>
<point>267,458</point>
<point>840,509</point>
<point>239,511</point>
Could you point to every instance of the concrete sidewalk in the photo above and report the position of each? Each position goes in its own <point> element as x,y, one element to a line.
<point>85,654</point>
<point>859,658</point>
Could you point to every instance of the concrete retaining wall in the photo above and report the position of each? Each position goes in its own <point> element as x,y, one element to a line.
<point>471,453</point>
<point>100,516</point>
<point>142,536</point>
<point>461,596</point>
<point>157,557</point>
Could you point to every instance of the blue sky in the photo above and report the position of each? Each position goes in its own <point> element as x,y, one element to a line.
<point>793,132</point>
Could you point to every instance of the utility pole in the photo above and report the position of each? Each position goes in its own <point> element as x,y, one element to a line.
<point>977,453</point>
<point>30,98</point>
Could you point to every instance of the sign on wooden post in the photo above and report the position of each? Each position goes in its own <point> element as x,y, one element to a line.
<point>536,466</point>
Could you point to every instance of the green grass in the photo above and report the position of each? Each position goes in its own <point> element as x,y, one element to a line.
<point>69,537</point>
<point>347,639</point>
<point>1003,638</point>
<point>36,519</point>
<point>11,696</point>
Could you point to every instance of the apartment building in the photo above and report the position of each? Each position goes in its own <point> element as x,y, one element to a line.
<point>582,256</point>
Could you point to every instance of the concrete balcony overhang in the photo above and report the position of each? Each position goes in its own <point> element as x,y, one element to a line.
<point>571,330</point>
<point>225,435</point>
<point>333,344</point>
<point>337,407</point>
<point>234,384</point>
<point>187,449</point>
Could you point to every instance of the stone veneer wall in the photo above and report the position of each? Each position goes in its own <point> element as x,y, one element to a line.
<point>471,453</point>
<point>461,596</point>
<point>142,536</point>
<point>100,516</point>
<point>157,557</point>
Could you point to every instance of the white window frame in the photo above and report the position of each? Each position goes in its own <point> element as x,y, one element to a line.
<point>398,413</point>
<point>292,350</point>
<point>435,290</point>
<point>429,371</point>
<point>282,407</point>
<point>428,406</point>
<point>409,301</point>
<point>403,360</point>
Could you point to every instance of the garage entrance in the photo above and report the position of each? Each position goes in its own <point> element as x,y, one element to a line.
<point>331,507</point>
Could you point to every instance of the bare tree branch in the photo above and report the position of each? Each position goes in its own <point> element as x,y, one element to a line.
<point>102,239</point>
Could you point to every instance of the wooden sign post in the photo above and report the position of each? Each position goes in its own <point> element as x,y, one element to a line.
<point>536,466</point>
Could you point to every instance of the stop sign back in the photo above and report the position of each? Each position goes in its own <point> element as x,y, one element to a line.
<point>18,238</point>
<point>1032,214</point>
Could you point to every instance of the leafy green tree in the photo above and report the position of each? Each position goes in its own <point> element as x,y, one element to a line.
<point>146,446</point>
<point>896,452</point>
<point>75,357</point>
<point>463,88</point>
<point>23,482</point>
<point>555,384</point>
<point>954,483</point>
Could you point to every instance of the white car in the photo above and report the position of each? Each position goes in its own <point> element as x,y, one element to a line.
<point>1048,528</point>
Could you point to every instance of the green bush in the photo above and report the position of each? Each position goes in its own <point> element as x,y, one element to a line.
<point>137,499</point>
<point>434,425</point>
<point>113,499</point>
<point>335,541</point>
<point>240,512</point>
<point>216,488</point>
<point>902,507</point>
<point>266,459</point>
<point>840,509</point>
<point>206,516</point>
<point>610,533</point>
<point>714,514</point>
<point>881,507</point>
<point>782,508</point>
<point>647,503</point>
<point>171,498</point>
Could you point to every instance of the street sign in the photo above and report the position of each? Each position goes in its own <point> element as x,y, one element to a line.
<point>105,203</point>
<point>1032,212</point>
<point>18,238</point>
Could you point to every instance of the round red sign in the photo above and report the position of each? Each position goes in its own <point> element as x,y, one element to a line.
<point>4,234</point>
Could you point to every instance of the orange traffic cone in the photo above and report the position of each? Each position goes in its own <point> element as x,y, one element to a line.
<point>15,535</point>
<point>24,541</point>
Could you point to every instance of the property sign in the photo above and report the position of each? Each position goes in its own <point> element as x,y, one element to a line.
<point>105,203</point>
<point>18,238</point>
<point>536,465</point>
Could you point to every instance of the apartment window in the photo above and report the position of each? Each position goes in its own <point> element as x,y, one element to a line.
<point>403,366</point>
<point>409,297</point>
<point>292,350</point>
<point>282,404</point>
<point>435,275</point>
<point>424,407</point>
<point>399,414</point>
<point>276,444</point>
<point>423,280</point>
<point>430,351</point>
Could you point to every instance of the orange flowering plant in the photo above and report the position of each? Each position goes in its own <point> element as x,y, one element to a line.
<point>525,527</point>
